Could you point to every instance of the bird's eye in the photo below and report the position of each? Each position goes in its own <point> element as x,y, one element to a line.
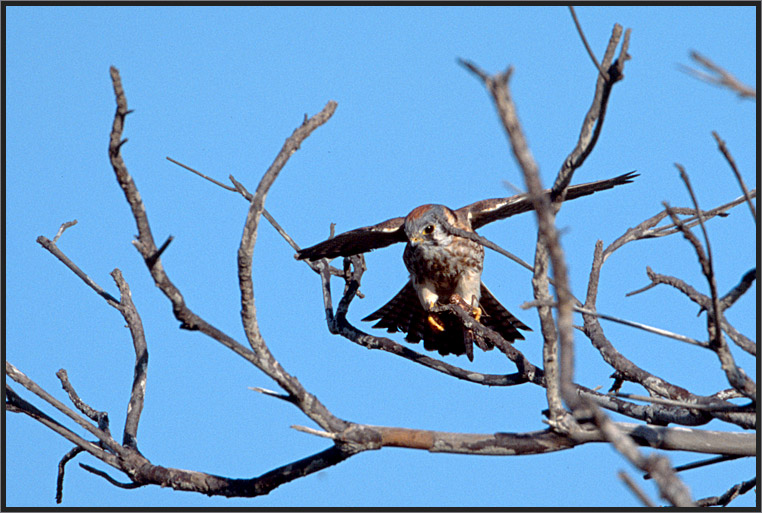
<point>429,229</point>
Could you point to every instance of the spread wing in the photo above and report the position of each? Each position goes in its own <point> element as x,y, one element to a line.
<point>486,211</point>
<point>357,241</point>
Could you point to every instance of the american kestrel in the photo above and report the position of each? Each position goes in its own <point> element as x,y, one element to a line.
<point>444,268</point>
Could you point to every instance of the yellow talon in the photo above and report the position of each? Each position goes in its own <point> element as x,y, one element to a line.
<point>435,323</point>
<point>476,312</point>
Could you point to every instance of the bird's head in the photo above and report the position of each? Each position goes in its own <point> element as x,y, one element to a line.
<point>425,225</point>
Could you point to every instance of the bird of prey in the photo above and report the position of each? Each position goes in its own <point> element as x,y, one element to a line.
<point>444,268</point>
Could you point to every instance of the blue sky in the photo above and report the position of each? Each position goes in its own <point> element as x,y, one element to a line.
<point>220,89</point>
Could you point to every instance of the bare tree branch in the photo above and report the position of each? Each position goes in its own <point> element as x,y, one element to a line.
<point>637,490</point>
<point>498,89</point>
<point>104,475</point>
<point>727,497</point>
<point>736,376</point>
<point>101,417</point>
<point>596,114</point>
<point>265,360</point>
<point>51,246</point>
<point>718,76</point>
<point>131,316</point>
<point>584,421</point>
<point>202,175</point>
<point>646,229</point>
<point>671,487</point>
<point>627,369</point>
<point>587,46</point>
<point>63,228</point>
<point>705,302</point>
<point>540,442</point>
<point>137,396</point>
<point>724,149</point>
<point>108,442</point>
<point>62,468</point>
<point>736,292</point>
<point>718,406</point>
<point>189,320</point>
<point>702,463</point>
<point>548,245</point>
<point>644,327</point>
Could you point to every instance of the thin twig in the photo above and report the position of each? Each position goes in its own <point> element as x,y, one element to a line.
<point>312,431</point>
<point>636,489</point>
<point>273,393</point>
<point>104,475</point>
<point>16,404</point>
<point>727,497</point>
<point>692,221</point>
<point>736,377</point>
<point>281,231</point>
<point>62,468</point>
<point>701,463</point>
<point>720,406</point>
<point>238,187</point>
<point>101,417</point>
<point>724,149</point>
<point>644,327</point>
<point>640,290</point>
<point>202,175</point>
<point>52,248</point>
<point>484,242</point>
<point>704,302</point>
<point>537,304</point>
<point>736,292</point>
<point>12,372</point>
<point>241,189</point>
<point>150,261</point>
<point>718,76</point>
<point>63,228</point>
<point>587,46</point>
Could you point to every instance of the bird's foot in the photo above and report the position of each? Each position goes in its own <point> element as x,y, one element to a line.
<point>474,309</point>
<point>435,322</point>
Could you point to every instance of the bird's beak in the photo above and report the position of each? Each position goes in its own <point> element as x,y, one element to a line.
<point>415,239</point>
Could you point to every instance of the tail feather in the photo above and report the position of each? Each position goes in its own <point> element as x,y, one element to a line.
<point>404,313</point>
<point>497,318</point>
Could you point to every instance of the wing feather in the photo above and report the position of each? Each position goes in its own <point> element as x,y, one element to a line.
<point>489,210</point>
<point>357,241</point>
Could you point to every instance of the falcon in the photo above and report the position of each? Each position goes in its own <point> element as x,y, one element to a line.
<point>444,269</point>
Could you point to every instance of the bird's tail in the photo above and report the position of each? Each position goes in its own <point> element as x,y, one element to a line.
<point>497,318</point>
<point>404,313</point>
